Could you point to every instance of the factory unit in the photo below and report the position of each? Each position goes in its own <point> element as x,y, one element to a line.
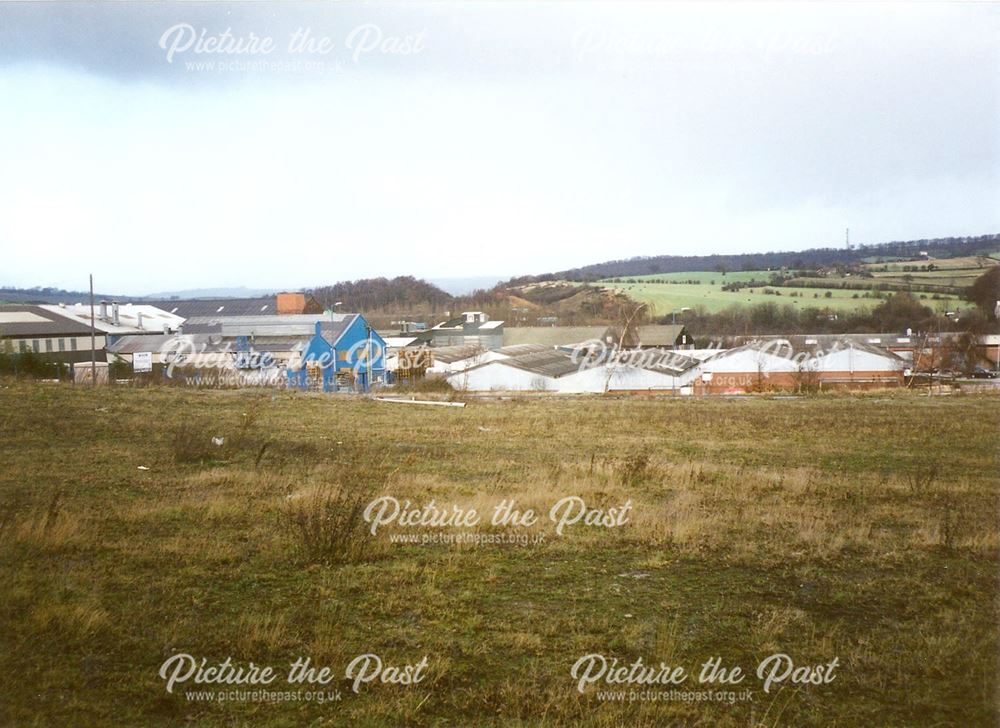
<point>281,304</point>
<point>115,320</point>
<point>31,328</point>
<point>555,370</point>
<point>346,353</point>
<point>472,328</point>
<point>752,367</point>
<point>777,365</point>
<point>62,332</point>
<point>328,351</point>
<point>451,359</point>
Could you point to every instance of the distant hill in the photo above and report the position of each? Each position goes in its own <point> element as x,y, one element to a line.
<point>52,295</point>
<point>812,258</point>
<point>403,293</point>
<point>40,294</point>
<point>238,292</point>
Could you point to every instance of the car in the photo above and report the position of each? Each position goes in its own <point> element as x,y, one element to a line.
<point>981,373</point>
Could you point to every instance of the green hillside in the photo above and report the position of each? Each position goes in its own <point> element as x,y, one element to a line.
<point>667,292</point>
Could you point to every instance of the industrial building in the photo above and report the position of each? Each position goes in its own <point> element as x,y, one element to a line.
<point>281,304</point>
<point>556,370</point>
<point>472,328</point>
<point>451,359</point>
<point>329,351</point>
<point>760,366</point>
<point>32,328</point>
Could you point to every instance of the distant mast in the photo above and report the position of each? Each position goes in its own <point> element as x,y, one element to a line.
<point>847,238</point>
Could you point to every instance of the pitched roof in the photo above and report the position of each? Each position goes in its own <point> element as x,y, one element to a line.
<point>659,335</point>
<point>519,349</point>
<point>826,340</point>
<point>550,363</point>
<point>460,324</point>
<point>671,362</point>
<point>333,325</point>
<point>24,320</point>
<point>450,354</point>
<point>154,320</point>
<point>831,343</point>
<point>191,307</point>
<point>163,342</point>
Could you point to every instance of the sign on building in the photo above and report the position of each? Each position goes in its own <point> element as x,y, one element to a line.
<point>142,361</point>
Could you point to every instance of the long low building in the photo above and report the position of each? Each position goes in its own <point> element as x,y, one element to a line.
<point>32,328</point>
<point>554,370</point>
<point>775,365</point>
<point>451,359</point>
<point>752,367</point>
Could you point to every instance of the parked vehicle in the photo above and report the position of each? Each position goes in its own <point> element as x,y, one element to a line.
<point>981,373</point>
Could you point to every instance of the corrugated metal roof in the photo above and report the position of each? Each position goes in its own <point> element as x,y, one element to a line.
<point>671,362</point>
<point>200,342</point>
<point>450,354</point>
<point>154,320</point>
<point>826,343</point>
<point>291,325</point>
<point>826,340</point>
<point>519,349</point>
<point>188,308</point>
<point>550,363</point>
<point>23,320</point>
<point>157,343</point>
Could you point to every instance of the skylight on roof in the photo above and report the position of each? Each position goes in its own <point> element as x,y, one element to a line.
<point>219,309</point>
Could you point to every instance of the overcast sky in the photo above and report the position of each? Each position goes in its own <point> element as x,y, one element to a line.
<point>479,139</point>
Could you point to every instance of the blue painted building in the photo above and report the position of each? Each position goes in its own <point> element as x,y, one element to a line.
<point>337,350</point>
<point>346,351</point>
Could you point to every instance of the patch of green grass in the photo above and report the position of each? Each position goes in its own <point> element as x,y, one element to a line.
<point>666,297</point>
<point>861,527</point>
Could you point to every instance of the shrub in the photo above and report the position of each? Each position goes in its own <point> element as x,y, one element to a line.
<point>329,523</point>
<point>633,468</point>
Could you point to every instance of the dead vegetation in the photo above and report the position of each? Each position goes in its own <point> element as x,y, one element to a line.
<point>819,527</point>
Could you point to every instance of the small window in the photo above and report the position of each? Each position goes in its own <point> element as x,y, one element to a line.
<point>48,345</point>
<point>34,345</point>
<point>22,346</point>
<point>62,344</point>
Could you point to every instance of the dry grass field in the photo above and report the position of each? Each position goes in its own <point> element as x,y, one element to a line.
<point>858,528</point>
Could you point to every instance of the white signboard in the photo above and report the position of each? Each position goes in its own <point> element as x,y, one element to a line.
<point>142,361</point>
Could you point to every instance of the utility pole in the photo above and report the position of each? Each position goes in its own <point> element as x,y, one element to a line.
<point>93,338</point>
<point>847,238</point>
